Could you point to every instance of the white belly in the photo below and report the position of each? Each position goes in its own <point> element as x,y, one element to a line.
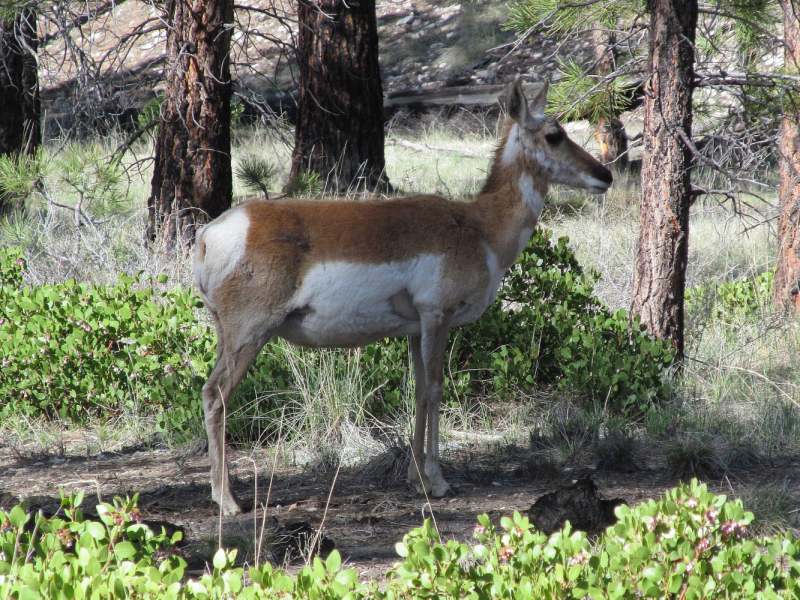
<point>343,304</point>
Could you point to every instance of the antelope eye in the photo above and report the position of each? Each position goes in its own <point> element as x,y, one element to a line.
<point>554,136</point>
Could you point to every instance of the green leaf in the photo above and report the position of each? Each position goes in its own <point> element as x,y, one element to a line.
<point>18,517</point>
<point>29,593</point>
<point>124,550</point>
<point>220,560</point>
<point>334,562</point>
<point>96,530</point>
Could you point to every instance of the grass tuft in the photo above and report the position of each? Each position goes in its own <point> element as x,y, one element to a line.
<point>774,508</point>
<point>616,451</point>
<point>694,455</point>
<point>539,466</point>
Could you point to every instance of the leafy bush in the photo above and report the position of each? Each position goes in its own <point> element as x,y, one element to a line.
<point>70,349</point>
<point>729,302</point>
<point>546,327</point>
<point>74,348</point>
<point>688,545</point>
<point>70,557</point>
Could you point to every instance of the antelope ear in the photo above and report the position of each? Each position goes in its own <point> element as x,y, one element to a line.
<point>514,100</point>
<point>539,102</point>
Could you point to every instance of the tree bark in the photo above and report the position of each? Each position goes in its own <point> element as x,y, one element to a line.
<point>609,131</point>
<point>339,132</point>
<point>192,179</point>
<point>787,272</point>
<point>20,107</point>
<point>659,279</point>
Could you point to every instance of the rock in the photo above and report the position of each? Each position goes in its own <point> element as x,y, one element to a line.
<point>579,504</point>
<point>478,64</point>
<point>405,21</point>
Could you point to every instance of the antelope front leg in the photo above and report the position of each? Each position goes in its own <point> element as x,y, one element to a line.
<point>416,470</point>
<point>434,345</point>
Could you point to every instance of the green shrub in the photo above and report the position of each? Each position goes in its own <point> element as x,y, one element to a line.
<point>256,174</point>
<point>547,327</point>
<point>688,545</point>
<point>68,557</point>
<point>729,302</point>
<point>71,349</point>
<point>150,111</point>
<point>304,183</point>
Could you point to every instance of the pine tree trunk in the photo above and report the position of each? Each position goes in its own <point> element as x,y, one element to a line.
<point>662,252</point>
<point>609,132</point>
<point>20,108</point>
<point>192,179</point>
<point>787,273</point>
<point>339,132</point>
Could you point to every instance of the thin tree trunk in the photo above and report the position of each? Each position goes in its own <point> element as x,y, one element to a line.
<point>339,132</point>
<point>662,252</point>
<point>192,179</point>
<point>20,107</point>
<point>787,273</point>
<point>609,130</point>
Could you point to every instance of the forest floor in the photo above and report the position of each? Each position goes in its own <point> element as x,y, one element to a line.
<point>363,511</point>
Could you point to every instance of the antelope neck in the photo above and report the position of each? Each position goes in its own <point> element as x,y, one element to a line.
<point>512,198</point>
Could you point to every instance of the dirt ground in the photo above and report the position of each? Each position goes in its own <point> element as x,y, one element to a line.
<point>365,517</point>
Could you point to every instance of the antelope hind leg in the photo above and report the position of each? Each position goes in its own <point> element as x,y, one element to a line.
<point>228,371</point>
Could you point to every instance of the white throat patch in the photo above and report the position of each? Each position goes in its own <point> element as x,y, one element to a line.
<point>530,195</point>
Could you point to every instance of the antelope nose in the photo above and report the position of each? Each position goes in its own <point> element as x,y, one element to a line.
<point>603,175</point>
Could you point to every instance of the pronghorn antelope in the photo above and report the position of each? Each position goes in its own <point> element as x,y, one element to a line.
<point>344,274</point>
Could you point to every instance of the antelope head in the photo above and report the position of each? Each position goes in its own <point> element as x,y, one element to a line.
<point>549,153</point>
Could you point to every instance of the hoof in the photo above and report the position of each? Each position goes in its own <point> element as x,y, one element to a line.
<point>228,505</point>
<point>442,489</point>
<point>423,488</point>
<point>228,509</point>
<point>449,493</point>
<point>420,481</point>
<point>439,487</point>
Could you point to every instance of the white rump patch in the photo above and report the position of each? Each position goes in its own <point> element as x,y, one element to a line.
<point>531,196</point>
<point>225,240</point>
